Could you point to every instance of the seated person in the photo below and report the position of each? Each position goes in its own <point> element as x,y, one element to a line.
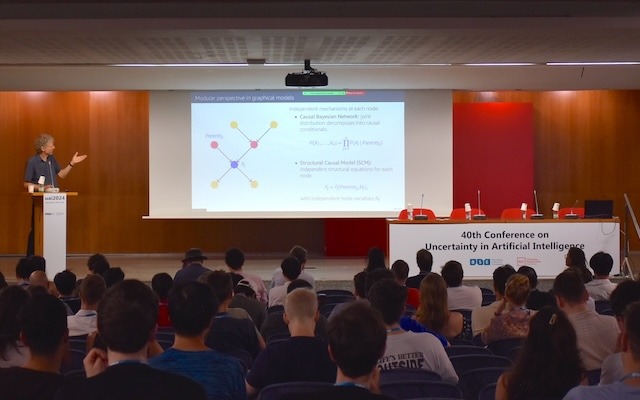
<point>43,329</point>
<point>600,287</point>
<point>65,284</point>
<point>161,283</point>
<point>234,259</point>
<point>191,308</point>
<point>228,333</point>
<point>481,316</point>
<point>400,270</point>
<point>459,296</point>
<point>244,297</point>
<point>424,259</point>
<point>356,339</point>
<point>537,299</point>
<point>291,269</point>
<point>12,351</point>
<point>628,387</point>
<point>92,290</point>
<point>275,325</point>
<point>302,357</point>
<point>300,253</point>
<point>514,323</point>
<point>407,349</point>
<point>126,321</point>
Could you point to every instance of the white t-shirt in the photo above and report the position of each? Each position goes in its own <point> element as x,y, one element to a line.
<point>600,289</point>
<point>464,297</point>
<point>82,323</point>
<point>278,278</point>
<point>417,351</point>
<point>278,294</point>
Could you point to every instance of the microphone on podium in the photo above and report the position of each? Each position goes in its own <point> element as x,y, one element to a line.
<point>479,216</point>
<point>52,189</point>
<point>572,215</point>
<point>421,216</point>
<point>537,215</point>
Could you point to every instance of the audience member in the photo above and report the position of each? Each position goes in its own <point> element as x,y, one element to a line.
<point>627,292</point>
<point>39,278</point>
<point>3,281</point>
<point>112,276</point>
<point>161,283</point>
<point>514,323</point>
<point>245,298</point>
<point>37,263</point>
<point>575,258</point>
<point>597,334</point>
<point>433,313</point>
<point>407,349</point>
<point>600,287</point>
<point>460,297</point>
<point>291,269</point>
<point>548,364</point>
<point>98,264</point>
<point>300,253</point>
<point>126,321</point>
<point>481,316</point>
<point>360,291</point>
<point>356,341</point>
<point>227,333</point>
<point>400,270</point>
<point>12,351</point>
<point>43,329</point>
<point>274,323</point>
<point>375,259</point>
<point>424,259</point>
<point>191,308</point>
<point>23,271</point>
<point>192,267</point>
<point>628,387</point>
<point>302,357</point>
<point>85,321</point>
<point>65,283</point>
<point>537,299</point>
<point>234,259</point>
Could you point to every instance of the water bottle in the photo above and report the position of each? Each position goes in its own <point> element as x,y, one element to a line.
<point>409,212</point>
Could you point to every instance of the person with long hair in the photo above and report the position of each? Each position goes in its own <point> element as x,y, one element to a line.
<point>433,312</point>
<point>549,363</point>
<point>12,351</point>
<point>511,319</point>
<point>375,259</point>
<point>575,258</point>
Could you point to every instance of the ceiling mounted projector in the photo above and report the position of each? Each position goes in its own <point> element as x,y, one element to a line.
<point>308,77</point>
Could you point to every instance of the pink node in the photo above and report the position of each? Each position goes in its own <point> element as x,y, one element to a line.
<point>254,144</point>
<point>214,144</point>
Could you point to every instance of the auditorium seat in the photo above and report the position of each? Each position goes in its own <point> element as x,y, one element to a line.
<point>408,374</point>
<point>459,213</point>
<point>276,390</point>
<point>502,347</point>
<point>473,381</point>
<point>417,211</point>
<point>403,390</point>
<point>515,213</point>
<point>460,349</point>
<point>468,362</point>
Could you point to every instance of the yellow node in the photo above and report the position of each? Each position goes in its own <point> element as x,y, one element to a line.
<point>254,184</point>
<point>234,124</point>
<point>273,124</point>
<point>215,184</point>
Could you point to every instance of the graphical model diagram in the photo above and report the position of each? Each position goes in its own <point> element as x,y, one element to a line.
<point>234,164</point>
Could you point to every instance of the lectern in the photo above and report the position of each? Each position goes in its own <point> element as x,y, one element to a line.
<point>50,229</point>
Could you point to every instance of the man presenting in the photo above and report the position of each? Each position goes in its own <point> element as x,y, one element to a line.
<point>45,164</point>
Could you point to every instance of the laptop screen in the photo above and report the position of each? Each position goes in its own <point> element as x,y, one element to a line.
<point>598,209</point>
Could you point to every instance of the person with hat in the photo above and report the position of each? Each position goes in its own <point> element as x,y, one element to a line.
<point>192,267</point>
<point>245,298</point>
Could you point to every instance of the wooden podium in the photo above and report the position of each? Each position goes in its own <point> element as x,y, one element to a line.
<point>50,229</point>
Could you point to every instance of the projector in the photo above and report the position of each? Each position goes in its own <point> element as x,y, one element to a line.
<point>314,78</point>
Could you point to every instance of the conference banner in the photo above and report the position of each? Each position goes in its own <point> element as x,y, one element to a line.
<point>482,246</point>
<point>55,232</point>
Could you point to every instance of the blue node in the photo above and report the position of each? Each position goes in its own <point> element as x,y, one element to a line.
<point>234,164</point>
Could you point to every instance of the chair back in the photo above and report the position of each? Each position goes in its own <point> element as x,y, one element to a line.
<point>602,305</point>
<point>488,392</point>
<point>473,381</point>
<point>459,350</point>
<point>404,215</point>
<point>503,346</point>
<point>74,362</point>
<point>339,298</point>
<point>274,391</point>
<point>515,213</point>
<point>403,390</point>
<point>408,374</point>
<point>333,292</point>
<point>460,213</point>
<point>468,362</point>
<point>241,355</point>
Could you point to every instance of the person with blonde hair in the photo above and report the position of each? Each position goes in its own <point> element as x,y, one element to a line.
<point>514,323</point>
<point>433,312</point>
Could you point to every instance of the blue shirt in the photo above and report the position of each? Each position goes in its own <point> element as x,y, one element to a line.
<point>617,391</point>
<point>37,167</point>
<point>221,376</point>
